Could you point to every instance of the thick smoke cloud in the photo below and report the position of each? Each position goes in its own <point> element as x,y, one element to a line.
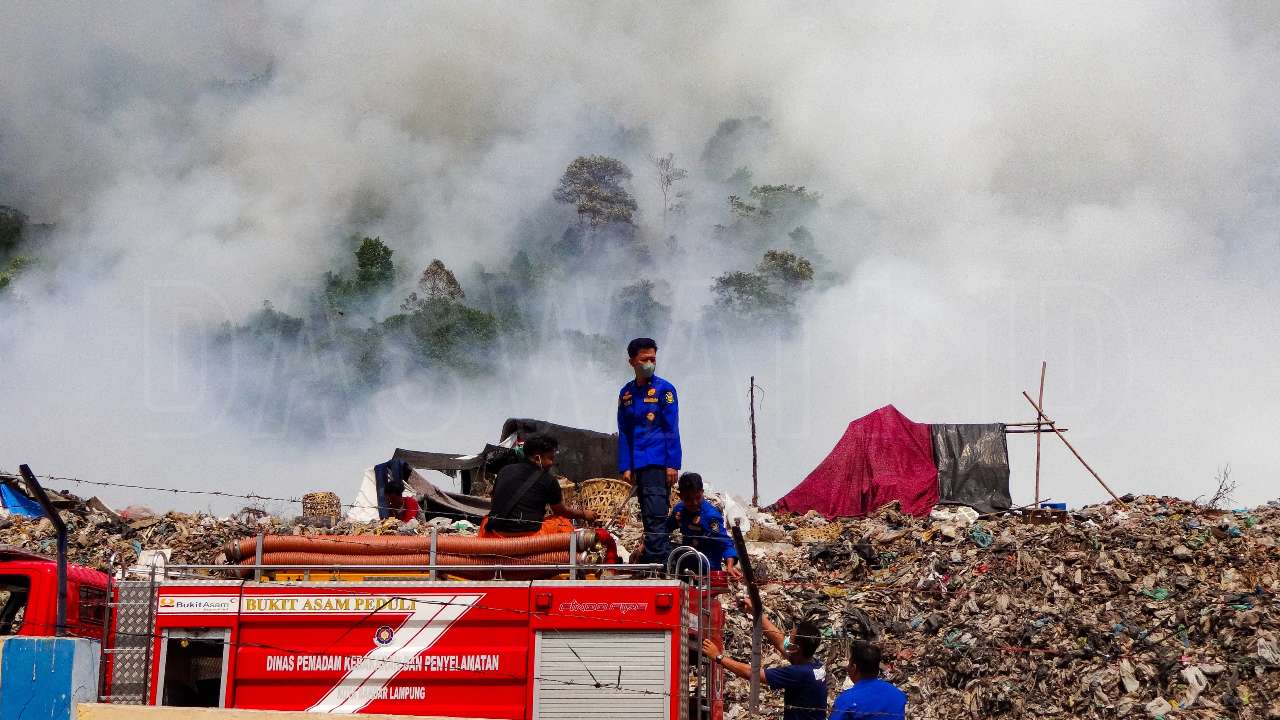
<point>1095,185</point>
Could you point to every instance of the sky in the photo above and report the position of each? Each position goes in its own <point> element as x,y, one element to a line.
<point>1092,185</point>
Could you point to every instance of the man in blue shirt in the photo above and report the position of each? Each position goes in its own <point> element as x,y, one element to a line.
<point>702,526</point>
<point>649,444</point>
<point>870,698</point>
<point>803,682</point>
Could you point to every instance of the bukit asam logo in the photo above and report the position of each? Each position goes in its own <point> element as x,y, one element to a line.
<point>384,635</point>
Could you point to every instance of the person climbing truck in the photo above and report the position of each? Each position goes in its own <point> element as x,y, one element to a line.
<point>649,444</point>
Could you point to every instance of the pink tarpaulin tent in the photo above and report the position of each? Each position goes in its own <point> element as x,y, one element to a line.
<point>882,457</point>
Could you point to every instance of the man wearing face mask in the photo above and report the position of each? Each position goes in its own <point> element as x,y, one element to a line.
<point>523,491</point>
<point>649,444</point>
<point>803,681</point>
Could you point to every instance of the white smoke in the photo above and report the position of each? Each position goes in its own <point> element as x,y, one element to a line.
<point>1095,185</point>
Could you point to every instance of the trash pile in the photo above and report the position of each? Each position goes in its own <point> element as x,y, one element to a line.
<point>1152,608</point>
<point>100,537</point>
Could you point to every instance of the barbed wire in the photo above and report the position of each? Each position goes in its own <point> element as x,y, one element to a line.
<point>257,497</point>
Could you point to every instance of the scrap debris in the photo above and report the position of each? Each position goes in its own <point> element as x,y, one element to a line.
<point>1154,608</point>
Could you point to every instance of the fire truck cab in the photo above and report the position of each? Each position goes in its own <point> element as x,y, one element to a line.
<point>532,649</point>
<point>29,596</point>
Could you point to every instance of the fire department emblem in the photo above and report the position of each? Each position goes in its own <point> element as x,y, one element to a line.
<point>384,635</point>
<point>671,397</point>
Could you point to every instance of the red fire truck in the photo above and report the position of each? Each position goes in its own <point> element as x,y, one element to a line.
<point>532,642</point>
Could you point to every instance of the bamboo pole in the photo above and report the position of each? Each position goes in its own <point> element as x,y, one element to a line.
<point>755,475</point>
<point>1073,450</point>
<point>1039,420</point>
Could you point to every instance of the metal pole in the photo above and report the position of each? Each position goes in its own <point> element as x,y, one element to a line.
<point>257,559</point>
<point>61,628</point>
<point>755,477</point>
<point>757,614</point>
<point>1039,429</point>
<point>434,532</point>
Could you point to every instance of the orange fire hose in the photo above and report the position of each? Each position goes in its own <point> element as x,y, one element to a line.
<point>300,559</point>
<point>381,546</point>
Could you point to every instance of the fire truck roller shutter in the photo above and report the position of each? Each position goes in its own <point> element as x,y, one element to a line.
<point>564,690</point>
<point>403,544</point>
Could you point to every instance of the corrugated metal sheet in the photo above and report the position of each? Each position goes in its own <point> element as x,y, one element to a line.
<point>625,675</point>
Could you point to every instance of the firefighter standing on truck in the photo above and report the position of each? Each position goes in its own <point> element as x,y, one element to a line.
<point>649,444</point>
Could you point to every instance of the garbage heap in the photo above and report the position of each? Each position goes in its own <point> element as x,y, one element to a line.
<point>100,537</point>
<point>1151,608</point>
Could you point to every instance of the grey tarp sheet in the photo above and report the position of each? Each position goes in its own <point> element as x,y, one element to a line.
<point>973,465</point>
<point>437,502</point>
<point>583,454</point>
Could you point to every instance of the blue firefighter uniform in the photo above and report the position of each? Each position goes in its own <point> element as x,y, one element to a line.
<point>648,444</point>
<point>702,528</point>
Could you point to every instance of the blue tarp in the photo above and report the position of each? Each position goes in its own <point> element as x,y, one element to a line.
<point>18,504</point>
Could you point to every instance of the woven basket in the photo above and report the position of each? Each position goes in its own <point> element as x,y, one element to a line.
<point>321,505</point>
<point>603,496</point>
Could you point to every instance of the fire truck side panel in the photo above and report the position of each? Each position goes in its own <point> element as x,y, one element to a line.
<point>458,649</point>
<point>542,650</point>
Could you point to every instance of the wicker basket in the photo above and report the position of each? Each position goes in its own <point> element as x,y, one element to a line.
<point>604,496</point>
<point>321,505</point>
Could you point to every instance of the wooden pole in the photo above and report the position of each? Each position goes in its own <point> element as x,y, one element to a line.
<point>1039,419</point>
<point>1064,440</point>
<point>757,615</point>
<point>755,473</point>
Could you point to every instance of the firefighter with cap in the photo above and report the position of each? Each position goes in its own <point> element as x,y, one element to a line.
<point>649,444</point>
<point>702,526</point>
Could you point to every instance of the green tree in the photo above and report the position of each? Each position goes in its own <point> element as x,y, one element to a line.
<point>447,335</point>
<point>784,202</point>
<point>637,312</point>
<point>788,273</point>
<point>271,324</point>
<point>747,296</point>
<point>12,269</point>
<point>767,295</point>
<point>375,273</point>
<point>12,222</point>
<point>593,185</point>
<point>374,269</point>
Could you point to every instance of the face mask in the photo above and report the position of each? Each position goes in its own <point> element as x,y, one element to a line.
<point>786,644</point>
<point>519,451</point>
<point>647,369</point>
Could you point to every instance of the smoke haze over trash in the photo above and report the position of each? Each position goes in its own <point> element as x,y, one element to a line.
<point>996,184</point>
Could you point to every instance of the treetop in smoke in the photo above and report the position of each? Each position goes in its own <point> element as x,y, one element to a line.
<point>593,185</point>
